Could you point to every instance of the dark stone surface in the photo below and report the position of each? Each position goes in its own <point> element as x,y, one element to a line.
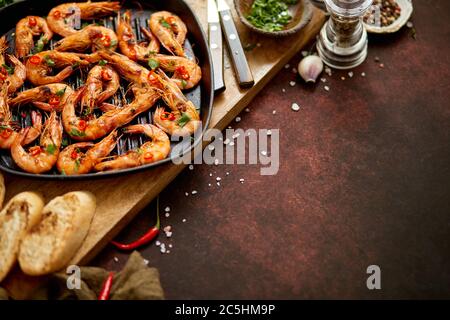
<point>364,179</point>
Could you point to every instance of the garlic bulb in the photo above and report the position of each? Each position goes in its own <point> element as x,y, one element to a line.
<point>310,68</point>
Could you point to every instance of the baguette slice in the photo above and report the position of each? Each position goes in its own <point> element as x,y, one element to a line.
<point>50,245</point>
<point>20,214</point>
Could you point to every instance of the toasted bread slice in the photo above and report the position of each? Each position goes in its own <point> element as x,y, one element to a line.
<point>50,245</point>
<point>20,214</point>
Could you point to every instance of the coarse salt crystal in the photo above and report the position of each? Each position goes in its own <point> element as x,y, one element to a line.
<point>210,174</point>
<point>186,194</point>
<point>184,220</point>
<point>227,141</point>
<point>216,162</point>
<point>218,179</point>
<point>191,167</point>
<point>116,259</point>
<point>218,184</point>
<point>167,228</point>
<point>294,70</point>
<point>238,119</point>
<point>211,147</point>
<point>283,90</point>
<point>146,262</point>
<point>167,214</point>
<point>264,153</point>
<point>236,135</point>
<point>305,53</point>
<point>167,209</point>
<point>363,74</point>
<point>227,173</point>
<point>209,184</point>
<point>157,243</point>
<point>287,66</point>
<point>350,74</point>
<point>269,132</point>
<point>292,83</point>
<point>168,234</point>
<point>162,249</point>
<point>342,78</point>
<point>327,88</point>
<point>274,112</point>
<point>409,24</point>
<point>194,192</point>
<point>170,245</point>
<point>323,80</point>
<point>295,107</point>
<point>247,109</point>
<point>241,180</point>
<point>231,143</point>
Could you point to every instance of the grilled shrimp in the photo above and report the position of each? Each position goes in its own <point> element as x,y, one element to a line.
<point>170,31</point>
<point>101,84</point>
<point>95,37</point>
<point>61,19</point>
<point>49,97</point>
<point>186,73</point>
<point>15,76</point>
<point>127,68</point>
<point>40,66</point>
<point>95,128</point>
<point>137,51</point>
<point>73,161</point>
<point>156,149</point>
<point>25,30</point>
<point>41,158</point>
<point>184,119</point>
<point>8,127</point>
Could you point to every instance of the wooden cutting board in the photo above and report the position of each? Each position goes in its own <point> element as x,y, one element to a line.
<point>120,199</point>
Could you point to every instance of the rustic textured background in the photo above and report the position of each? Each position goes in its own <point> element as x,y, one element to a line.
<point>364,179</point>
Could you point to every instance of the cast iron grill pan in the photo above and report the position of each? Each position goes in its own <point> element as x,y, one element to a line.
<point>195,45</point>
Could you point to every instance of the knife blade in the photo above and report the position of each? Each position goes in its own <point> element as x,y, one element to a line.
<point>237,55</point>
<point>215,45</point>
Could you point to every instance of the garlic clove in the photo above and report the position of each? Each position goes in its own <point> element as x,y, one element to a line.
<point>310,68</point>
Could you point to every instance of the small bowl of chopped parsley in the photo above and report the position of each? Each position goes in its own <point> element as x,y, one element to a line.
<point>275,18</point>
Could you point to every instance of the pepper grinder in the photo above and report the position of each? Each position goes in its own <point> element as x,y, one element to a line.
<point>342,42</point>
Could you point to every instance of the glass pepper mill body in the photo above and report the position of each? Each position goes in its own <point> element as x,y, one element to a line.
<point>342,42</point>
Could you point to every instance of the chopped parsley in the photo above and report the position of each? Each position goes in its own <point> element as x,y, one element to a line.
<point>164,23</point>
<point>183,83</point>
<point>49,61</point>
<point>184,119</point>
<point>270,15</point>
<point>76,133</point>
<point>102,63</point>
<point>153,64</point>
<point>51,148</point>
<point>40,44</point>
<point>9,69</point>
<point>61,92</point>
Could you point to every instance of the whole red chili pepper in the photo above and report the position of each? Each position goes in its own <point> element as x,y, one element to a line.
<point>106,288</point>
<point>146,238</point>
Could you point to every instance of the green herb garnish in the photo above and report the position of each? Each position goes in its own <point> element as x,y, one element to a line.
<point>65,142</point>
<point>61,92</point>
<point>183,83</point>
<point>51,148</point>
<point>113,43</point>
<point>40,44</point>
<point>270,15</point>
<point>102,63</point>
<point>77,164</point>
<point>164,23</point>
<point>184,119</point>
<point>9,69</point>
<point>49,61</point>
<point>76,133</point>
<point>153,64</point>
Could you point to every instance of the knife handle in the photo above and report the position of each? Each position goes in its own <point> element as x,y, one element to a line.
<point>216,48</point>
<point>243,72</point>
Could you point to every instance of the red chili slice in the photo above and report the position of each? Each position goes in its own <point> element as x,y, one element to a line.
<point>154,79</point>
<point>6,133</point>
<point>82,125</point>
<point>57,14</point>
<point>107,41</point>
<point>34,151</point>
<point>35,60</point>
<point>182,72</point>
<point>168,116</point>
<point>148,156</point>
<point>74,154</point>
<point>32,22</point>
<point>54,101</point>
<point>106,75</point>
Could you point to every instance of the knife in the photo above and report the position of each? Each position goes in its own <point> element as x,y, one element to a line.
<point>215,45</point>
<point>241,68</point>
